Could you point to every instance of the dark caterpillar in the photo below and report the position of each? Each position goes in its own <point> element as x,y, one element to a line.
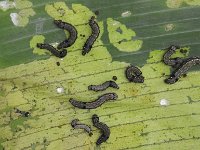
<point>72,33</point>
<point>53,50</point>
<point>175,62</point>
<point>104,129</point>
<point>103,86</point>
<point>23,113</point>
<point>94,104</point>
<point>77,125</point>
<point>182,69</point>
<point>133,74</point>
<point>92,38</point>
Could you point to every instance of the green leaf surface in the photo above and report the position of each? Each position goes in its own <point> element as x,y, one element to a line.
<point>131,32</point>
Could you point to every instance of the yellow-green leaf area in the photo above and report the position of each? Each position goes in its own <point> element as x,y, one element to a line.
<point>79,72</point>
<point>21,4</point>
<point>157,55</point>
<point>21,19</point>
<point>136,119</point>
<point>178,3</point>
<point>27,12</point>
<point>33,44</point>
<point>192,2</point>
<point>78,15</point>
<point>122,37</point>
<point>5,5</point>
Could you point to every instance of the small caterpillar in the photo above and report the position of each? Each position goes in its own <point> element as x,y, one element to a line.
<point>133,74</point>
<point>103,127</point>
<point>92,38</point>
<point>23,113</point>
<point>103,86</point>
<point>77,125</point>
<point>182,69</point>
<point>94,104</point>
<point>172,61</point>
<point>53,50</point>
<point>72,33</point>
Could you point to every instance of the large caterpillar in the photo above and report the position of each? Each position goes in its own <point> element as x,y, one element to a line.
<point>172,61</point>
<point>23,113</point>
<point>53,50</point>
<point>94,104</point>
<point>72,33</point>
<point>133,74</point>
<point>182,69</point>
<point>103,127</point>
<point>103,86</point>
<point>92,38</point>
<point>77,125</point>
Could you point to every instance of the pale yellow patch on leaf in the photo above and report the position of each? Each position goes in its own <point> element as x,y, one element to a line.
<point>122,41</point>
<point>15,99</point>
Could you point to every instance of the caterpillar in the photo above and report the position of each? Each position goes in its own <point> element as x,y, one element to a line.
<point>77,125</point>
<point>172,61</point>
<point>182,69</point>
<point>92,38</point>
<point>133,74</point>
<point>104,129</point>
<point>53,50</point>
<point>72,33</point>
<point>94,104</point>
<point>103,86</point>
<point>23,113</point>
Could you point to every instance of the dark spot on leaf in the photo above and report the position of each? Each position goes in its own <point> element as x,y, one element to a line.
<point>183,51</point>
<point>119,30</point>
<point>45,140</point>
<point>114,78</point>
<point>144,134</point>
<point>184,75</point>
<point>58,63</point>
<point>96,12</point>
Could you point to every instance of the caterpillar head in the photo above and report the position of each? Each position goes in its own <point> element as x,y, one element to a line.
<point>74,122</point>
<point>27,114</point>
<point>171,80</point>
<point>86,49</point>
<point>112,96</point>
<point>59,23</point>
<point>95,119</point>
<point>40,45</point>
<point>62,53</point>
<point>174,47</point>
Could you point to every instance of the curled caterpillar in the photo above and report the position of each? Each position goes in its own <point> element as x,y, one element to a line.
<point>53,50</point>
<point>172,61</point>
<point>92,38</point>
<point>103,127</point>
<point>182,69</point>
<point>77,125</point>
<point>72,33</point>
<point>133,74</point>
<point>23,113</point>
<point>94,104</point>
<point>103,86</point>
